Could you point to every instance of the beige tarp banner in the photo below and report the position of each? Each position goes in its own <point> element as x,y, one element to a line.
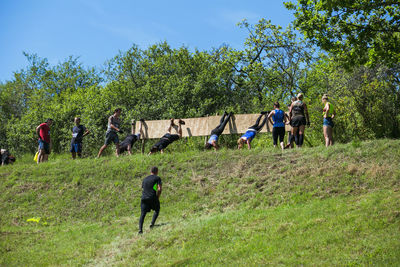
<point>203,126</point>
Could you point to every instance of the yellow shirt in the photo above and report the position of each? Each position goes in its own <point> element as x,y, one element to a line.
<point>328,114</point>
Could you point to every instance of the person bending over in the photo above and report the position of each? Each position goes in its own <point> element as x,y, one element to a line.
<point>151,191</point>
<point>112,130</point>
<point>252,131</point>
<point>279,118</point>
<point>215,133</point>
<point>6,157</point>
<point>128,142</point>
<point>78,132</point>
<point>167,138</point>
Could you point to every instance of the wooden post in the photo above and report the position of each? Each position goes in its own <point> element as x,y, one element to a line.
<point>206,136</point>
<point>133,126</point>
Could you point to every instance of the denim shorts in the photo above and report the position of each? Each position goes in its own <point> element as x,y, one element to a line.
<point>76,147</point>
<point>328,122</point>
<point>44,146</point>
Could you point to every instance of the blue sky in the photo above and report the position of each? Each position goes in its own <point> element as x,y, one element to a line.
<point>95,30</point>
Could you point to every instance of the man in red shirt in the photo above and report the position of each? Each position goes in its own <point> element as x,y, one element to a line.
<point>43,131</point>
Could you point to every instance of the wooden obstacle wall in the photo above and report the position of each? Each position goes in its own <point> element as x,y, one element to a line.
<point>203,126</point>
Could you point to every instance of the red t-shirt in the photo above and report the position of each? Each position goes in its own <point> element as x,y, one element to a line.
<point>44,132</point>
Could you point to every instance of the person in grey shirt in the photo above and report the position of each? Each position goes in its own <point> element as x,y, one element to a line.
<point>112,130</point>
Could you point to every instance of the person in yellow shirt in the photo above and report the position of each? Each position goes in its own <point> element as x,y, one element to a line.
<point>328,113</point>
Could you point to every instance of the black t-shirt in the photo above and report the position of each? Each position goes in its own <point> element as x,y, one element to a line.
<point>148,185</point>
<point>77,134</point>
<point>129,140</point>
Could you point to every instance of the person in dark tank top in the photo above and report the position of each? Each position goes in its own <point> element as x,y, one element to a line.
<point>299,119</point>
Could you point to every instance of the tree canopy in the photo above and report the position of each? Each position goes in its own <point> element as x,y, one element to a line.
<point>358,31</point>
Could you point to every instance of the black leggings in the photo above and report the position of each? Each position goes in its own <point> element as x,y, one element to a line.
<point>258,127</point>
<point>222,123</point>
<point>278,132</point>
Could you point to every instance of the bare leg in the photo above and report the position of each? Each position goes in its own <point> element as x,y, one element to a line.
<point>282,145</point>
<point>101,150</point>
<point>117,149</point>
<point>170,125</point>
<point>326,136</point>
<point>40,156</point>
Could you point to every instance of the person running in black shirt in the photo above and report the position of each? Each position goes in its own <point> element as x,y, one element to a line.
<point>215,133</point>
<point>128,142</point>
<point>151,191</point>
<point>78,132</point>
<point>167,138</point>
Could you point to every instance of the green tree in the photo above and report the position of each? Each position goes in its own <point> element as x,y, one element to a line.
<point>274,61</point>
<point>357,31</point>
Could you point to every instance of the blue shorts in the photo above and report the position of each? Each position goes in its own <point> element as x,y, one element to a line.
<point>249,135</point>
<point>76,147</point>
<point>44,146</point>
<point>111,136</point>
<point>328,122</point>
<point>213,137</point>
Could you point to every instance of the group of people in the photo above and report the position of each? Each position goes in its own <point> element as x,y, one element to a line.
<point>297,118</point>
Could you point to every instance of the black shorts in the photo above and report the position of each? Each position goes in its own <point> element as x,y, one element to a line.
<point>278,132</point>
<point>298,121</point>
<point>111,136</point>
<point>150,204</point>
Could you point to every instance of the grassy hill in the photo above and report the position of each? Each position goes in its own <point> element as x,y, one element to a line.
<point>311,206</point>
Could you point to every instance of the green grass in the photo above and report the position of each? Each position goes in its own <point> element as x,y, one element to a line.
<point>314,206</point>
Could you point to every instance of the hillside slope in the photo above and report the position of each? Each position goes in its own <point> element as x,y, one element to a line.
<point>314,206</point>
